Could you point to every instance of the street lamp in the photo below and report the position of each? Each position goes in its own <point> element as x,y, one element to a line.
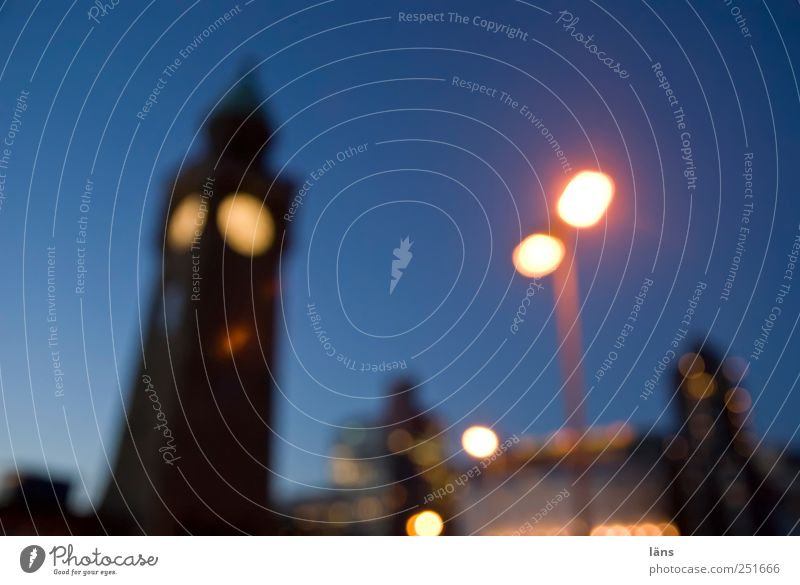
<point>586,198</point>
<point>583,203</point>
<point>538,255</point>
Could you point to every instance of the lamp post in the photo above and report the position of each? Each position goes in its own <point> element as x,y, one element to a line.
<point>582,204</point>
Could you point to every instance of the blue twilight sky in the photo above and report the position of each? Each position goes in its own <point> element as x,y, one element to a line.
<point>464,174</point>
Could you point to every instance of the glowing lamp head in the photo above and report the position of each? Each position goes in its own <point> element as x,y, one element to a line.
<point>538,255</point>
<point>246,224</point>
<point>479,441</point>
<point>586,198</point>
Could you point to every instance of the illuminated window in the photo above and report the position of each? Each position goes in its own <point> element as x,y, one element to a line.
<point>233,340</point>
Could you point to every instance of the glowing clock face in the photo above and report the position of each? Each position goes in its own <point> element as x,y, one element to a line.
<point>186,223</point>
<point>246,224</point>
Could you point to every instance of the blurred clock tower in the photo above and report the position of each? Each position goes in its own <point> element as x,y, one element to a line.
<point>194,454</point>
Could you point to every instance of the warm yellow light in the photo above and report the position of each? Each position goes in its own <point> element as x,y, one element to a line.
<point>410,529</point>
<point>586,198</point>
<point>538,255</point>
<point>701,386</point>
<point>246,224</point>
<point>345,472</point>
<point>425,454</point>
<point>646,529</point>
<point>668,529</point>
<point>479,441</point>
<point>427,523</point>
<point>618,530</point>
<point>400,440</point>
<point>186,223</point>
<point>233,339</point>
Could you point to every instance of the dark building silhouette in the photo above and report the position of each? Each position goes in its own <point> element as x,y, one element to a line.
<point>385,472</point>
<point>194,454</point>
<point>415,463</point>
<point>34,504</point>
<point>710,476</point>
<point>721,484</point>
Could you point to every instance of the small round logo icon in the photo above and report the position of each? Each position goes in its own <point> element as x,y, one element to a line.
<point>31,558</point>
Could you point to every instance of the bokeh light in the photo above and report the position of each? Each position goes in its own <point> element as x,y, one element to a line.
<point>186,223</point>
<point>234,339</point>
<point>246,224</point>
<point>427,523</point>
<point>586,198</point>
<point>738,400</point>
<point>538,255</point>
<point>643,529</point>
<point>479,441</point>
<point>701,386</point>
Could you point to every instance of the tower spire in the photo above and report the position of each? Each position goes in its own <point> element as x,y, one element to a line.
<point>238,127</point>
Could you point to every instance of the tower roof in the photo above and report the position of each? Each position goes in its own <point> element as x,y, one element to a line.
<point>238,127</point>
<point>242,99</point>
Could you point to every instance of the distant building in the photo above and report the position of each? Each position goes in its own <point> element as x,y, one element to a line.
<point>708,477</point>
<point>35,504</point>
<point>383,474</point>
<point>723,483</point>
<point>530,489</point>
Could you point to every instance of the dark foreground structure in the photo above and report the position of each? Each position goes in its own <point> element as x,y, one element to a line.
<point>709,476</point>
